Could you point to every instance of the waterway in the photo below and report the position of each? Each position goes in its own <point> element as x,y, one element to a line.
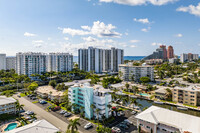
<point>146,103</point>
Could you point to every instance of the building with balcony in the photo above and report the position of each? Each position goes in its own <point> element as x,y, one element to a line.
<point>10,63</point>
<point>7,105</point>
<point>130,72</point>
<point>187,95</point>
<point>159,120</point>
<point>84,95</point>
<point>189,57</point>
<point>2,61</point>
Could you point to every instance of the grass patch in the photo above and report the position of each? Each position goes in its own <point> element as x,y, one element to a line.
<point>35,102</point>
<point>128,93</point>
<point>190,106</point>
<point>22,95</point>
<point>168,101</point>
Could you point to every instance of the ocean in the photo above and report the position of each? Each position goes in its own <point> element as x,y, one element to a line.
<point>75,59</point>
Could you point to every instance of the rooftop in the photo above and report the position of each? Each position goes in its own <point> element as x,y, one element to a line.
<point>48,89</point>
<point>41,126</point>
<point>126,65</point>
<point>77,82</point>
<point>6,100</point>
<point>178,120</point>
<point>190,88</point>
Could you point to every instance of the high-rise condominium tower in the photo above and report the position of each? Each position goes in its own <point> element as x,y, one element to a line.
<point>31,63</point>
<point>60,62</point>
<point>10,63</point>
<point>170,52</point>
<point>164,51</point>
<point>99,60</point>
<point>3,61</point>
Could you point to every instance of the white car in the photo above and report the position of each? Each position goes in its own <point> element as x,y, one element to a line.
<point>29,112</point>
<point>128,121</point>
<point>87,126</point>
<point>118,114</point>
<point>116,130</point>
<point>133,112</point>
<point>63,112</point>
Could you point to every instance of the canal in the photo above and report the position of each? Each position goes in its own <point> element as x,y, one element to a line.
<point>147,103</point>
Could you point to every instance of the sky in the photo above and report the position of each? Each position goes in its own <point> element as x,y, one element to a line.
<point>137,26</point>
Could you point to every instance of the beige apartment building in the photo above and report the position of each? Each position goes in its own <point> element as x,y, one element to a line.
<point>7,105</point>
<point>188,95</point>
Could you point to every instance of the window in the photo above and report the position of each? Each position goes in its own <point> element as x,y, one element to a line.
<point>191,99</point>
<point>192,92</point>
<point>148,127</point>
<point>186,95</point>
<point>141,125</point>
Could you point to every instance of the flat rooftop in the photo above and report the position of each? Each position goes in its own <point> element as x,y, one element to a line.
<point>76,82</point>
<point>48,89</point>
<point>183,122</point>
<point>41,126</point>
<point>6,100</point>
<point>125,65</point>
<point>189,88</point>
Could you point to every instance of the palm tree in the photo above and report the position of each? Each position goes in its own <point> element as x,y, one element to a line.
<point>81,108</point>
<point>73,125</point>
<point>97,114</point>
<point>92,107</point>
<point>19,107</point>
<point>74,105</point>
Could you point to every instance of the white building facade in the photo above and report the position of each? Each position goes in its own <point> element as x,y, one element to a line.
<point>130,72</point>
<point>7,105</point>
<point>10,63</point>
<point>189,57</point>
<point>60,62</point>
<point>100,60</point>
<point>31,63</point>
<point>2,61</point>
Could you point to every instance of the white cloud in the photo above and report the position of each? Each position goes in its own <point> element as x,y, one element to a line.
<point>156,44</point>
<point>132,46</point>
<point>66,38</point>
<point>98,29</point>
<point>140,2</point>
<point>146,29</point>
<point>126,33</point>
<point>144,20</point>
<point>195,10</point>
<point>29,34</point>
<point>89,39</point>
<point>134,41</point>
<point>38,41</point>
<point>179,35</point>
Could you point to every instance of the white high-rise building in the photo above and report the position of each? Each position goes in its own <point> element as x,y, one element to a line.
<point>130,72</point>
<point>31,63</point>
<point>189,57</point>
<point>60,62</point>
<point>10,63</point>
<point>100,60</point>
<point>2,61</point>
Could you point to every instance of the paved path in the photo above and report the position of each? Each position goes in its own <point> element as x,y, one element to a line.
<point>42,114</point>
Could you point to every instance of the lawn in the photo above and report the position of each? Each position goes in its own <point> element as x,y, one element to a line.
<point>35,102</point>
<point>22,95</point>
<point>190,106</point>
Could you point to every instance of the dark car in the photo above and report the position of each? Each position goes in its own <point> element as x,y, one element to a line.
<point>123,126</point>
<point>56,108</point>
<point>33,98</point>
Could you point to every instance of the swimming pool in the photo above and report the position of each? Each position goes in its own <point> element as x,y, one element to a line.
<point>144,94</point>
<point>11,126</point>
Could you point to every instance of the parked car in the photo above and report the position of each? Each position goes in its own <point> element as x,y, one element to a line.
<point>115,130</point>
<point>133,112</point>
<point>123,126</point>
<point>67,114</point>
<point>22,111</point>
<point>118,114</point>
<point>56,108</point>
<point>63,112</point>
<point>27,117</point>
<point>88,125</point>
<point>128,121</point>
<point>18,96</point>
<point>122,113</point>
<point>33,98</point>
<point>125,123</point>
<point>29,112</point>
<point>43,102</point>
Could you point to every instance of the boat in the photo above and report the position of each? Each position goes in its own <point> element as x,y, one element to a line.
<point>158,102</point>
<point>182,108</point>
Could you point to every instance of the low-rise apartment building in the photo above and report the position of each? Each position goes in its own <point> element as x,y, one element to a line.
<point>159,120</point>
<point>7,105</point>
<point>187,95</point>
<point>84,95</point>
<point>130,72</point>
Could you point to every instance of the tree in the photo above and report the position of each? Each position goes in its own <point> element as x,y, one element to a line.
<point>97,114</point>
<point>32,87</point>
<point>92,106</point>
<point>145,79</point>
<point>52,83</point>
<point>127,86</point>
<point>73,125</point>
<point>19,107</point>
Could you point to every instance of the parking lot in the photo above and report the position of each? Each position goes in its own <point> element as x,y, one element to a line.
<point>83,122</point>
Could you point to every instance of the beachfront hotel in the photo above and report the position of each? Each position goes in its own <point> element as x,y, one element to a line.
<point>7,105</point>
<point>85,95</point>
<point>187,95</point>
<point>128,72</point>
<point>160,120</point>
